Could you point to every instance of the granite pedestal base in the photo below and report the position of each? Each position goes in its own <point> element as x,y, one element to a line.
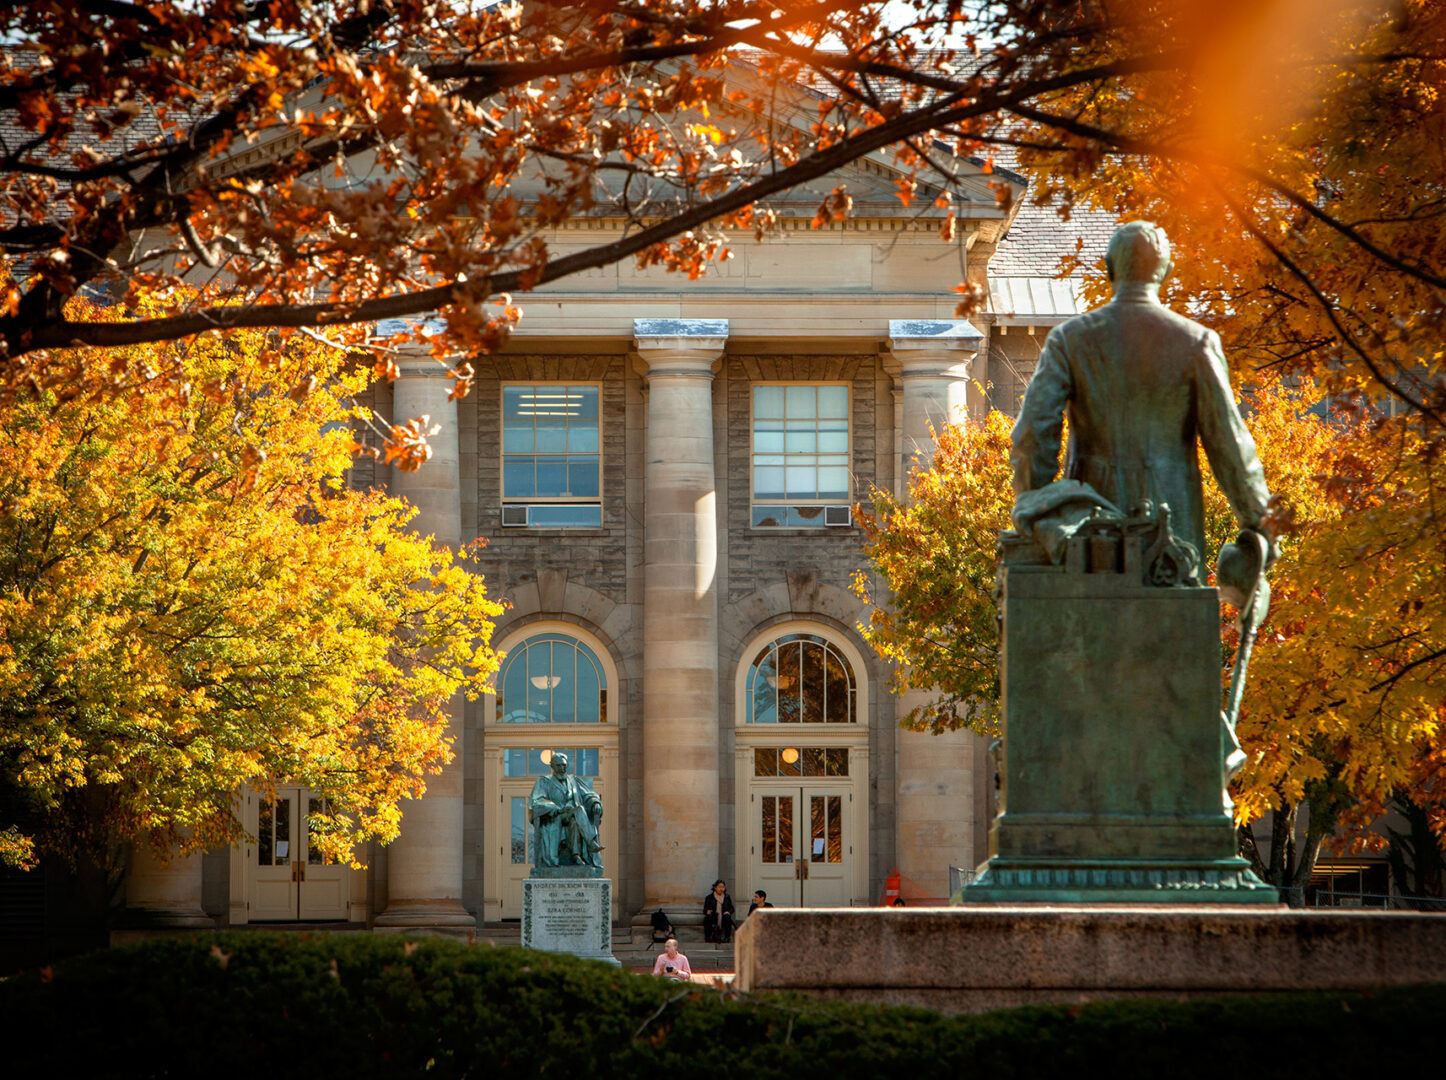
<point>965,960</point>
<point>1113,763</point>
<point>568,915</point>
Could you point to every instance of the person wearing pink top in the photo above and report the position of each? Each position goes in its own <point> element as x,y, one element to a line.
<point>671,964</point>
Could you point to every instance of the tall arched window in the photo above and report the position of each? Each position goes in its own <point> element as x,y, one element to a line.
<point>552,679</point>
<point>801,679</point>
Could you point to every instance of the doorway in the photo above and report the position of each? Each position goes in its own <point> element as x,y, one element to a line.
<point>288,880</point>
<point>802,844</point>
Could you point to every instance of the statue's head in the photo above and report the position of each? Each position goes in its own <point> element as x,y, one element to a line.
<point>559,763</point>
<point>1139,251</point>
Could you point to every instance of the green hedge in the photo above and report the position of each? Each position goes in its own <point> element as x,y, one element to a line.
<point>264,1005</point>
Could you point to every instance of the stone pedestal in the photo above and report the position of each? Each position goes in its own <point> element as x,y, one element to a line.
<point>1113,759</point>
<point>565,913</point>
<point>964,960</point>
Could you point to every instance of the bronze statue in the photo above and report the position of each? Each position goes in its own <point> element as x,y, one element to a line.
<point>566,814</point>
<point>1141,385</point>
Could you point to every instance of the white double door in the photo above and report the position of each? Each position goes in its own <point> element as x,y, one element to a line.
<point>289,880</point>
<point>802,843</point>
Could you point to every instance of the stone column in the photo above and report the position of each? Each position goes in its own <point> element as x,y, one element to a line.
<point>164,894</point>
<point>934,774</point>
<point>680,611</point>
<point>424,864</point>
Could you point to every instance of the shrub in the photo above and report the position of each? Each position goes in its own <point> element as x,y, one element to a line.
<point>362,1005</point>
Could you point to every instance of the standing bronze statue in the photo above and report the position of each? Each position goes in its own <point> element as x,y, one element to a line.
<point>566,814</point>
<point>1115,760</point>
<point>1142,387</point>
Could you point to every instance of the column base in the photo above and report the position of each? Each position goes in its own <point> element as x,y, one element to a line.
<point>1117,881</point>
<point>139,918</point>
<point>411,914</point>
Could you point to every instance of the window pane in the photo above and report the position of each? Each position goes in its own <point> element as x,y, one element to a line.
<point>767,440</point>
<point>514,763</point>
<point>551,434</point>
<point>283,832</point>
<point>517,406</point>
<point>584,762</point>
<point>582,438</point>
<point>582,477</point>
<point>833,441</point>
<point>519,830</point>
<point>817,851</point>
<point>551,478</point>
<point>790,762</point>
<point>790,705</point>
<point>765,761</point>
<point>583,403</point>
<point>801,482</point>
<point>767,401</point>
<point>805,517</point>
<point>813,682</point>
<point>314,807</point>
<point>770,829</point>
<point>785,828</point>
<point>768,517</point>
<point>840,461</point>
<point>517,437</point>
<point>801,402</point>
<point>813,761</point>
<point>764,706</point>
<point>801,440</point>
<point>837,759</point>
<point>768,482</point>
<point>518,480</point>
<point>564,683</point>
<point>835,828</point>
<point>837,698</point>
<point>588,692</point>
<point>833,483</point>
<point>544,516</point>
<point>265,835</point>
<point>833,401</point>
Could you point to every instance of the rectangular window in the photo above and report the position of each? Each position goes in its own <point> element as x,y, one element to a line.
<point>800,453</point>
<point>552,456</point>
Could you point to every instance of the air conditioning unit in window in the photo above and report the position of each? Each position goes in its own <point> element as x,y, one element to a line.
<point>838,515</point>
<point>514,516</point>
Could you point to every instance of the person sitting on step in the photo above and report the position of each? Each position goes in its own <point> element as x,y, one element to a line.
<point>671,964</point>
<point>718,914</point>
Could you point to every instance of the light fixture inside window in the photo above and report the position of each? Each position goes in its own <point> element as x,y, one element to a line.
<point>545,682</point>
<point>790,754</point>
<point>546,757</point>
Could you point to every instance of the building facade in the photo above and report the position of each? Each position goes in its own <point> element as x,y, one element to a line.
<point>663,472</point>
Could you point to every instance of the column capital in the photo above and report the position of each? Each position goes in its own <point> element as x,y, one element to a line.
<point>685,347</point>
<point>934,347</point>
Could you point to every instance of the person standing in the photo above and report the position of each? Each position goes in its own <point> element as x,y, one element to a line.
<point>718,914</point>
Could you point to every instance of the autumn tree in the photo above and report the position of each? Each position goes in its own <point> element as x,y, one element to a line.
<point>192,599</point>
<point>930,592</point>
<point>344,161</point>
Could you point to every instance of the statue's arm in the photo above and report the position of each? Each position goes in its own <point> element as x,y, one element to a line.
<point>1037,432</point>
<point>1228,443</point>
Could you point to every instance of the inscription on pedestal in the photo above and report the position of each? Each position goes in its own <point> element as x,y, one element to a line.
<point>568,915</point>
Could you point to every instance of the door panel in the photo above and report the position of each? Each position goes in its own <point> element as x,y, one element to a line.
<point>774,826</point>
<point>324,887</point>
<point>801,845</point>
<point>289,880</point>
<point>273,893</point>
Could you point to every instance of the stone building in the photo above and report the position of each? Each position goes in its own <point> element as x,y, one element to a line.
<point>663,470</point>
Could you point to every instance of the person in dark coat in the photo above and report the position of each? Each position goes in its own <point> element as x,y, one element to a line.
<point>718,914</point>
